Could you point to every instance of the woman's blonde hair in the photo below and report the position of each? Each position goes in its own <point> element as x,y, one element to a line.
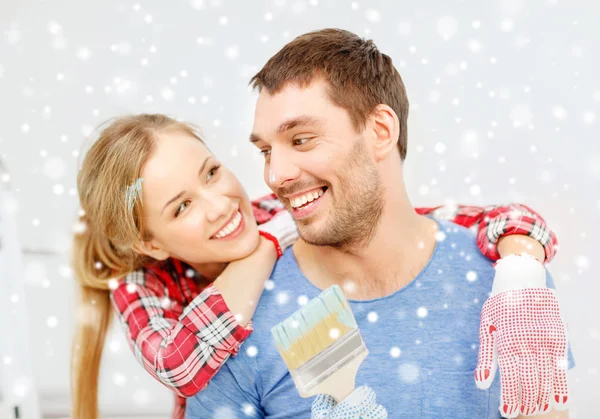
<point>103,246</point>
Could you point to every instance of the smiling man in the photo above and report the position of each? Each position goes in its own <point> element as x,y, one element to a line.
<point>331,122</point>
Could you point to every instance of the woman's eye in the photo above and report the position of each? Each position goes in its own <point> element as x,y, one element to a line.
<point>212,172</point>
<point>181,208</point>
<point>265,153</point>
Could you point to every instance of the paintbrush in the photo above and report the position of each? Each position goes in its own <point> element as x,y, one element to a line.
<point>322,346</point>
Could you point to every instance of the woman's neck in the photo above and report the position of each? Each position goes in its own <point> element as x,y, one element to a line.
<point>209,271</point>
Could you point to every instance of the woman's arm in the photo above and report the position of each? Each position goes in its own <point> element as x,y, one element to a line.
<point>181,350</point>
<point>501,221</point>
<point>243,281</point>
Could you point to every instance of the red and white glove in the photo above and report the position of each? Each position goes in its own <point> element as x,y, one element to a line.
<point>522,331</point>
<point>281,230</point>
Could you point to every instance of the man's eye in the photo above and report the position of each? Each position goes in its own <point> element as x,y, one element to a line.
<point>300,141</point>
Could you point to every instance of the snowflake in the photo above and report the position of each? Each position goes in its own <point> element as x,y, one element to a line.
<point>52,322</point>
<point>167,94</point>
<point>21,387</point>
<point>372,317</point>
<point>269,285</point>
<point>409,373</point>
<point>447,27</point>
<point>471,276</point>
<point>395,352</point>
<point>521,115</point>
<point>372,15</point>
<point>252,351</point>
<point>589,117</point>
<point>282,298</point>
<point>122,48</point>
<point>197,4</point>
<point>582,262</point>
<point>141,397</point>
<point>54,168</point>
<point>334,333</point>
<point>559,112</point>
<point>224,412</point>
<point>422,312</point>
<point>302,300</point>
<point>119,379</point>
<point>114,345</point>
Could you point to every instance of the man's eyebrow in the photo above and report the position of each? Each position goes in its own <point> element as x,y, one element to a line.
<point>292,123</point>
<point>299,121</point>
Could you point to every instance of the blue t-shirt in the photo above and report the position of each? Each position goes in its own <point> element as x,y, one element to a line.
<point>422,343</point>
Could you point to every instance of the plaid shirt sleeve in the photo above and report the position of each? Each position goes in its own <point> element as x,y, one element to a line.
<point>496,221</point>
<point>181,349</point>
<point>266,207</point>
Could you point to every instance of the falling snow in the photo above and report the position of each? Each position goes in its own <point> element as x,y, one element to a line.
<point>461,74</point>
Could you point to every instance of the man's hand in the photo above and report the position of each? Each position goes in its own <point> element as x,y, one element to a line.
<point>360,404</point>
<point>523,333</point>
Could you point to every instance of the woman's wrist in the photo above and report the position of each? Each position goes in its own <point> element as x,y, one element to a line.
<point>516,244</point>
<point>270,242</point>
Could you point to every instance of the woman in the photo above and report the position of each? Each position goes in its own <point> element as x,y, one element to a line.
<point>172,244</point>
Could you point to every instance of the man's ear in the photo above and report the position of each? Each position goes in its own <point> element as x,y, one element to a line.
<point>151,248</point>
<point>386,128</point>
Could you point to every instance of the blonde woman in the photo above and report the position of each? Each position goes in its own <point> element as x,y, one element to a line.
<point>174,246</point>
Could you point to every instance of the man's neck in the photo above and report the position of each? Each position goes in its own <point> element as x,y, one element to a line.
<point>400,249</point>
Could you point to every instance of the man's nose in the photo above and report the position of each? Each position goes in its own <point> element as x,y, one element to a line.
<point>280,170</point>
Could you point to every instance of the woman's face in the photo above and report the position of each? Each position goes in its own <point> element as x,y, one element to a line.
<point>197,211</point>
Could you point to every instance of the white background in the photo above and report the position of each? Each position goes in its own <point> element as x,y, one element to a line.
<point>505,101</point>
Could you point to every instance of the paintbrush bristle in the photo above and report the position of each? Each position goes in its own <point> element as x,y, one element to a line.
<point>315,327</point>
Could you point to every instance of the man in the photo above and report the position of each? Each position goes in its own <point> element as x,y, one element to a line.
<point>331,123</point>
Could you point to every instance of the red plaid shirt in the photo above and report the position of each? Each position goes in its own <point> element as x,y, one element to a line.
<point>182,332</point>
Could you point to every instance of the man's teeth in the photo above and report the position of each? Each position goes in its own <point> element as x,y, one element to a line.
<point>309,197</point>
<point>230,228</point>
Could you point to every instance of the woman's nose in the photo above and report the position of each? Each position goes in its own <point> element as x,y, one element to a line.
<point>217,206</point>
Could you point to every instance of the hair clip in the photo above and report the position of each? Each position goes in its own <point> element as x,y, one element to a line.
<point>133,191</point>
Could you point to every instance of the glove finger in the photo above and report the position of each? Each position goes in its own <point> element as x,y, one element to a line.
<point>510,394</point>
<point>359,401</point>
<point>545,372</point>
<point>528,374</point>
<point>488,356</point>
<point>377,412</point>
<point>561,392</point>
<point>322,406</point>
<point>560,365</point>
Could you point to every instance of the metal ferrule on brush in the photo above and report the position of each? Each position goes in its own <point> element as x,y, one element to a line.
<point>324,364</point>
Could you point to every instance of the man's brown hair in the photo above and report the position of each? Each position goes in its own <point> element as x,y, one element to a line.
<point>359,76</point>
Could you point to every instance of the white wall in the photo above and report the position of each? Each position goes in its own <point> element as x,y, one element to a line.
<point>505,102</point>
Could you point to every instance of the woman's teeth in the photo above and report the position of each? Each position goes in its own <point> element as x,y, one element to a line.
<point>306,198</point>
<point>231,227</point>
